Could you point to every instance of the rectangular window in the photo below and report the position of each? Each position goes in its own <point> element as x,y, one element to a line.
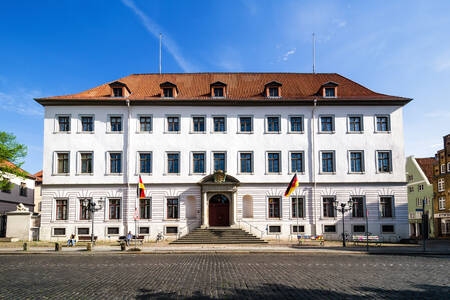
<point>273,162</point>
<point>171,230</point>
<point>218,92</point>
<point>275,229</point>
<point>59,231</point>
<point>329,228</point>
<point>359,228</point>
<point>172,208</point>
<point>145,124</point>
<point>246,124</point>
<point>173,163</point>
<point>198,161</point>
<point>387,228</point>
<point>23,191</point>
<point>114,209</point>
<point>219,161</point>
<point>173,124</point>
<point>330,92</point>
<point>386,207</point>
<point>411,189</point>
<point>85,214</point>
<point>274,208</point>
<point>448,167</point>
<point>383,123</point>
<point>63,163</point>
<point>358,207</point>
<point>326,124</point>
<point>145,163</point>
<point>441,185</point>
<point>356,162</point>
<point>442,168</point>
<point>384,161</point>
<point>219,124</point>
<point>198,124</point>
<point>83,231</point>
<point>115,163</point>
<point>296,162</point>
<point>145,209</point>
<point>61,209</point>
<point>273,92</point>
<point>328,207</point>
<point>327,162</point>
<point>273,124</point>
<point>419,202</point>
<point>144,230</point>
<point>168,92</point>
<point>246,163</point>
<point>441,203</point>
<point>298,228</point>
<point>87,124</point>
<point>86,163</point>
<point>420,187</point>
<point>116,123</point>
<point>118,92</point>
<point>355,124</point>
<point>297,207</point>
<point>296,124</point>
<point>113,230</point>
<point>64,123</point>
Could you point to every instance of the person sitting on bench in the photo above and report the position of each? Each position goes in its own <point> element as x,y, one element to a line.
<point>71,242</point>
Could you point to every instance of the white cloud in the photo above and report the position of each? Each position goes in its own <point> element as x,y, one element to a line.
<point>154,29</point>
<point>21,102</point>
<point>290,52</point>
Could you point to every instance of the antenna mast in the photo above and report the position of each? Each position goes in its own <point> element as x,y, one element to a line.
<point>160,38</point>
<point>314,53</point>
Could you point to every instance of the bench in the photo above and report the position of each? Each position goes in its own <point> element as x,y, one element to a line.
<point>86,238</point>
<point>302,238</point>
<point>139,239</point>
<point>362,240</point>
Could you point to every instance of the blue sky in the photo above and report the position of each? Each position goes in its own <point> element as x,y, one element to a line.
<point>62,47</point>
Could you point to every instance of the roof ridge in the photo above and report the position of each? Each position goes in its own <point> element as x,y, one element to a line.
<point>302,73</point>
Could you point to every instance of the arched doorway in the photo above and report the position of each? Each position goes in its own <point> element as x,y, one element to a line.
<point>219,210</point>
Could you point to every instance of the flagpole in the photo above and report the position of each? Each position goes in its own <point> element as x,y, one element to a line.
<point>296,201</point>
<point>135,223</point>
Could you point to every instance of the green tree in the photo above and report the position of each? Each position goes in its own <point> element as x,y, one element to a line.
<point>10,151</point>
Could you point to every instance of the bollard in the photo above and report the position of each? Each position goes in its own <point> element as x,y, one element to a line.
<point>25,246</point>
<point>123,246</point>
<point>89,246</point>
<point>57,246</point>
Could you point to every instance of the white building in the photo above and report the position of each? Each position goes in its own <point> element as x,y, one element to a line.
<point>343,140</point>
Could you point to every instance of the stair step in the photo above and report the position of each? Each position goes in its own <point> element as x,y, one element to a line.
<point>219,236</point>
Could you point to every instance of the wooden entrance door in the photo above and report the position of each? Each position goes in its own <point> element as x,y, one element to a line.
<point>219,211</point>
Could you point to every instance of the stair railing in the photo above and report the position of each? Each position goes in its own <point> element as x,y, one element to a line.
<point>261,232</point>
<point>180,230</point>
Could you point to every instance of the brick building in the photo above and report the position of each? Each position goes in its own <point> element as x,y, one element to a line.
<point>441,188</point>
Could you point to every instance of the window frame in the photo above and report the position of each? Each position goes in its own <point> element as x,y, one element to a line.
<point>388,123</point>
<point>147,206</point>
<point>322,204</point>
<point>193,131</point>
<point>302,124</point>
<point>333,124</point>
<point>214,88</point>
<point>329,88</point>
<point>213,161</point>
<point>330,225</point>
<point>303,207</point>
<point>138,123</point>
<point>387,232</point>
<point>80,162</point>
<point>380,208</point>
<point>266,128</point>
<point>290,162</point>
<point>361,118</point>
<point>280,163</point>
<point>56,164</point>
<point>109,125</point>
<point>138,164</point>
<point>66,209</point>
<point>377,161</point>
<point>364,207</point>
<point>441,185</point>
<point>163,93</point>
<point>280,208</point>
<point>213,127</point>
<point>167,210</point>
<point>57,127</point>
<point>239,124</point>
<point>167,163</point>
<point>358,232</point>
<point>252,163</point>
<point>108,163</point>
<point>23,190</point>
<point>81,210</point>
<point>363,165</point>
<point>192,166</point>
<point>80,123</point>
<point>59,235</point>
<point>119,211</point>
<point>166,122</point>
<point>441,203</point>
<point>333,172</point>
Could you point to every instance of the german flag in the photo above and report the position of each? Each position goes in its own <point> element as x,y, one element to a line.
<point>140,189</point>
<point>292,185</point>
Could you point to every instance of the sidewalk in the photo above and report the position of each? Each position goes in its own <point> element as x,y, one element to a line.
<point>433,248</point>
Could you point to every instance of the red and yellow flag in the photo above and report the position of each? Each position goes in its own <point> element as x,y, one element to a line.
<point>141,189</point>
<point>292,185</point>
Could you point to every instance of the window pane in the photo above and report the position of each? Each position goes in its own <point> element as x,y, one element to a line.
<point>116,162</point>
<point>327,162</point>
<point>145,208</point>
<point>358,207</point>
<point>199,124</point>
<point>219,124</point>
<point>114,208</point>
<point>246,124</point>
<point>356,161</point>
<point>273,92</point>
<point>87,124</point>
<point>218,92</point>
<point>172,208</point>
<point>116,123</point>
<point>145,162</point>
<point>355,123</point>
<point>386,207</point>
<point>328,208</point>
<point>274,207</point>
<point>173,163</point>
<point>297,162</point>
<point>64,123</point>
<point>168,92</point>
<point>297,207</point>
<point>63,163</point>
<point>246,163</point>
<point>199,162</point>
<point>326,123</point>
<point>273,124</point>
<point>173,123</point>
<point>219,162</point>
<point>146,124</point>
<point>273,162</point>
<point>86,162</point>
<point>296,124</point>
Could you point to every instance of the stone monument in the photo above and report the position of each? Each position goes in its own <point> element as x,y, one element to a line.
<point>18,224</point>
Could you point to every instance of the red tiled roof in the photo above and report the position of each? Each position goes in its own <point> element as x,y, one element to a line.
<point>426,164</point>
<point>240,86</point>
<point>11,165</point>
<point>38,176</point>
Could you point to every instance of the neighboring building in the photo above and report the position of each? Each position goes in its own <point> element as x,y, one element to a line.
<point>442,189</point>
<point>179,131</point>
<point>419,173</point>
<point>21,190</point>
<point>38,192</point>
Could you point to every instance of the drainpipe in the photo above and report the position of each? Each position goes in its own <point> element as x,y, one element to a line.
<point>127,177</point>
<point>313,171</point>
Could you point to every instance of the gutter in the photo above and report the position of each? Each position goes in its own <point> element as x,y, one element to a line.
<point>313,171</point>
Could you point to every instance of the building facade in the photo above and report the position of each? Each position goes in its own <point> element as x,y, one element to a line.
<point>38,192</point>
<point>442,189</point>
<point>419,173</point>
<point>218,149</point>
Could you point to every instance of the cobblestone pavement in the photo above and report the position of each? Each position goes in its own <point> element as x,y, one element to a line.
<point>206,276</point>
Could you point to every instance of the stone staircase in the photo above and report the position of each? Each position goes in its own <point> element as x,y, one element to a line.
<point>219,236</point>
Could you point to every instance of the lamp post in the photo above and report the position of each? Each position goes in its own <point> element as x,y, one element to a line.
<point>343,211</point>
<point>92,207</point>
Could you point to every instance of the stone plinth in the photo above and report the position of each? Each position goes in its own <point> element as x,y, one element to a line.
<point>18,225</point>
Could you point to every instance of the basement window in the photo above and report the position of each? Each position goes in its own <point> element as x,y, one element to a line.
<point>171,229</point>
<point>274,229</point>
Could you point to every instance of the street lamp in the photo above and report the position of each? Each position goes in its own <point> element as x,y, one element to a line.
<point>343,211</point>
<point>92,207</point>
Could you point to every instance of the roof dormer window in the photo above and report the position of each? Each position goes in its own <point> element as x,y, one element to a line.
<point>329,90</point>
<point>218,89</point>
<point>273,89</point>
<point>118,92</point>
<point>168,90</point>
